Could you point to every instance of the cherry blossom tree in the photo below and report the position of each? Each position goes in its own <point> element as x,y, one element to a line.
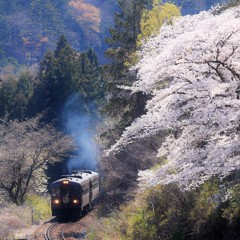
<point>191,70</point>
<point>25,148</point>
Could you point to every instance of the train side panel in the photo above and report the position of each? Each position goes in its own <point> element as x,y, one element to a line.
<point>85,194</point>
<point>94,187</point>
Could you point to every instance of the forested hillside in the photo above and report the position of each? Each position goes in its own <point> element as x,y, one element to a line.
<point>195,6</point>
<point>29,28</point>
<point>145,92</point>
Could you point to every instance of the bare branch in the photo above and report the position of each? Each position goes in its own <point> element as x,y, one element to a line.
<point>25,147</point>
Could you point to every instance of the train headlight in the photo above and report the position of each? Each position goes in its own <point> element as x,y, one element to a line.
<point>75,201</point>
<point>56,201</point>
<point>65,182</point>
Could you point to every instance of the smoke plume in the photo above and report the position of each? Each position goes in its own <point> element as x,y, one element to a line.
<point>80,121</point>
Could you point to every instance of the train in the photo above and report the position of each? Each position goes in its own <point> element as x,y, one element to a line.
<point>72,195</point>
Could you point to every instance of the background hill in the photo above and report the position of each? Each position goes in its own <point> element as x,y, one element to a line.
<point>28,28</point>
<point>195,6</point>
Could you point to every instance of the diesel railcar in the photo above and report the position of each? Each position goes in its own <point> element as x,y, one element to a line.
<point>75,193</point>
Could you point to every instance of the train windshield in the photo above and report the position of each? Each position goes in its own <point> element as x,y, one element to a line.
<point>65,192</point>
<point>55,191</point>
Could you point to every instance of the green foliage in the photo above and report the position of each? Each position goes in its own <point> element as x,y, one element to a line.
<point>65,72</point>
<point>206,202</point>
<point>124,34</point>
<point>157,213</point>
<point>40,207</point>
<point>24,85</point>
<point>171,207</point>
<point>137,21</point>
<point>15,95</point>
<point>233,211</point>
<point>7,94</point>
<point>167,213</point>
<point>140,224</point>
<point>62,73</point>
<point>153,19</point>
<point>61,45</point>
<point>91,85</point>
<point>132,59</point>
<point>106,228</point>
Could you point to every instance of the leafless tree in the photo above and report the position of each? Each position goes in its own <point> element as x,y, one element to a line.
<point>26,147</point>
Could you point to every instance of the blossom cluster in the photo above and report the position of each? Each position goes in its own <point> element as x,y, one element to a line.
<point>192,71</point>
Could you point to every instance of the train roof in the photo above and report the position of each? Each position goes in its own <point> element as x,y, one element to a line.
<point>78,176</point>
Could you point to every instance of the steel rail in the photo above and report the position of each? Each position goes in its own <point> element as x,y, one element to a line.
<point>63,229</point>
<point>47,232</point>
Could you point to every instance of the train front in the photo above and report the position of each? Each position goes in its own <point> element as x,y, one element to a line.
<point>66,198</point>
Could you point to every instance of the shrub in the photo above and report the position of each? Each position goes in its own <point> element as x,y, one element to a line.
<point>166,212</point>
<point>40,207</point>
<point>13,218</point>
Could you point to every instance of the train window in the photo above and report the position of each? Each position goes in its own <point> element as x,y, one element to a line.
<point>85,191</point>
<point>95,183</point>
<point>65,192</point>
<point>55,191</point>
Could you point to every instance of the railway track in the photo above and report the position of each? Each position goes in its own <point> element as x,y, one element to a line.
<point>40,232</point>
<point>55,231</point>
<point>68,230</point>
<point>63,230</point>
<point>48,230</point>
<point>51,231</point>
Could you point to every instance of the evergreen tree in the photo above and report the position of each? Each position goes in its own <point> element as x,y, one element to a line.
<point>7,94</point>
<point>20,103</point>
<point>46,86</point>
<point>14,97</point>
<point>61,44</point>
<point>124,34</point>
<point>91,83</point>
<point>58,77</point>
<point>67,74</point>
<point>64,73</point>
<point>123,45</point>
<point>92,58</point>
<point>24,85</point>
<point>24,90</point>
